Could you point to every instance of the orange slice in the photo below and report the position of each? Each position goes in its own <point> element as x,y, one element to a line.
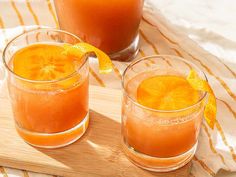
<point>80,49</point>
<point>43,62</point>
<point>198,84</point>
<point>166,93</point>
<point>174,92</point>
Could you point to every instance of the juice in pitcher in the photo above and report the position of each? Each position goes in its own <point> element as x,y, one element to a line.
<point>111,25</point>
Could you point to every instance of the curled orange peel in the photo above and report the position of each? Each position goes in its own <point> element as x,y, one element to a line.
<point>201,85</point>
<point>82,48</point>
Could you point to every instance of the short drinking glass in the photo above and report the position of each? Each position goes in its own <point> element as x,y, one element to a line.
<point>161,113</point>
<point>50,105</point>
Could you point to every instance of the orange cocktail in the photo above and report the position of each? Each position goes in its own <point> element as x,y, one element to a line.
<point>111,25</point>
<point>48,89</point>
<point>161,113</point>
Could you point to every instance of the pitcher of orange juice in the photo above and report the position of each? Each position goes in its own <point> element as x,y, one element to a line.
<point>112,26</point>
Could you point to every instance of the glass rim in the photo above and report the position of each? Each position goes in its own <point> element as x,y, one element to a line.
<point>43,29</point>
<point>159,110</point>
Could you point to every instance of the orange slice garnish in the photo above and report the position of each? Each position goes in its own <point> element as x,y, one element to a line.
<point>175,92</point>
<point>80,49</point>
<point>43,62</point>
<point>198,84</point>
<point>166,93</point>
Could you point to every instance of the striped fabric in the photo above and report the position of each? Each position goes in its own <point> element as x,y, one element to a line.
<point>216,147</point>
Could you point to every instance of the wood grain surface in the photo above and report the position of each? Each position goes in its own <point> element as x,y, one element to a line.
<point>98,153</point>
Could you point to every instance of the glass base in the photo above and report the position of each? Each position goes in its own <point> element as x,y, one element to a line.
<point>156,164</point>
<point>54,140</point>
<point>128,53</point>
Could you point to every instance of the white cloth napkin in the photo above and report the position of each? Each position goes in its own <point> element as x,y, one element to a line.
<point>216,147</point>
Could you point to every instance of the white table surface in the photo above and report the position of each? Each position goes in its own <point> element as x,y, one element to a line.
<point>211,23</point>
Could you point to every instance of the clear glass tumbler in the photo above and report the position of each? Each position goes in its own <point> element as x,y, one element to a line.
<point>48,113</point>
<point>159,140</point>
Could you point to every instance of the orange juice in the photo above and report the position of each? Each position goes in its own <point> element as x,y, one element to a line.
<point>48,81</point>
<point>161,112</point>
<point>109,25</point>
<point>51,102</point>
<point>155,137</point>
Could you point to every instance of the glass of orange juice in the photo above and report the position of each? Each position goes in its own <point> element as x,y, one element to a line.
<point>112,26</point>
<point>48,90</point>
<point>161,112</point>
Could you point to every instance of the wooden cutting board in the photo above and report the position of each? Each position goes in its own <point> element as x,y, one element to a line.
<point>97,153</point>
